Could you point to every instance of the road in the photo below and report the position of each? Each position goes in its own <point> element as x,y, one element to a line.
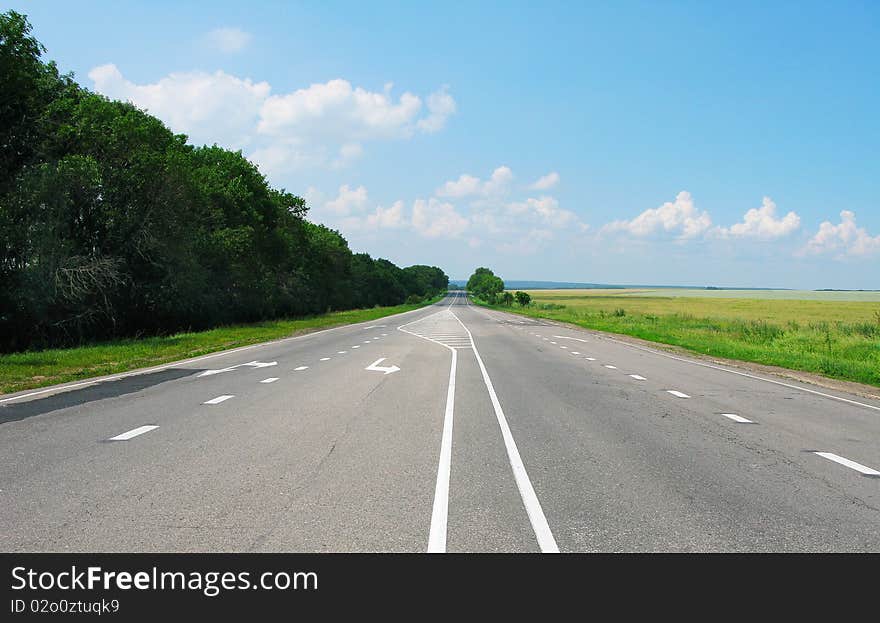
<point>450,428</point>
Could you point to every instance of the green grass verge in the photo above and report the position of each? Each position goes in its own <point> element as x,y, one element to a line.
<point>28,370</point>
<point>841,341</point>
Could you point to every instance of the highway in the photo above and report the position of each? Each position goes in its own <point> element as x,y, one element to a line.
<point>449,428</point>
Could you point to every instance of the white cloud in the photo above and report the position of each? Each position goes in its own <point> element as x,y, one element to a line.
<point>546,209</point>
<point>843,239</point>
<point>335,108</point>
<point>546,182</point>
<point>348,200</point>
<point>441,106</point>
<point>433,218</point>
<point>678,217</point>
<point>762,223</point>
<point>466,185</point>
<point>209,107</point>
<point>227,40</point>
<point>387,218</point>
<point>469,186</point>
<point>323,125</point>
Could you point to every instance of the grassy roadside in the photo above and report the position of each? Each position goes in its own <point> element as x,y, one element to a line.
<point>28,370</point>
<point>834,339</point>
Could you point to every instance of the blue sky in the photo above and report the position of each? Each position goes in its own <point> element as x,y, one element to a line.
<point>691,143</point>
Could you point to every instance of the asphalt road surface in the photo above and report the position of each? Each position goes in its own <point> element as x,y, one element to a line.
<point>450,428</point>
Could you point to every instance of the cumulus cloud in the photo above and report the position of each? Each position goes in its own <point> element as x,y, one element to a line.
<point>227,40</point>
<point>324,124</point>
<point>679,217</point>
<point>337,108</point>
<point>761,223</point>
<point>392,217</point>
<point>209,107</point>
<point>546,182</point>
<point>347,201</point>
<point>844,239</point>
<point>433,218</point>
<point>546,209</point>
<point>469,186</point>
<point>441,106</point>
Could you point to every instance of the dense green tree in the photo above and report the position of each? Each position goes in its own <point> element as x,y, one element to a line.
<point>485,284</point>
<point>111,224</point>
<point>506,298</point>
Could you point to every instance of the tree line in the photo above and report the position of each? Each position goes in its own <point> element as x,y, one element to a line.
<point>486,285</point>
<point>112,225</point>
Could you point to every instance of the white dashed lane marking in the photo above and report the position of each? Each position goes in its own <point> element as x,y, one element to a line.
<point>140,430</point>
<point>271,379</point>
<point>301,368</point>
<point>737,418</point>
<point>341,352</point>
<point>610,367</point>
<point>862,469</point>
<point>325,359</point>
<point>677,393</point>
<point>218,400</point>
<point>637,377</point>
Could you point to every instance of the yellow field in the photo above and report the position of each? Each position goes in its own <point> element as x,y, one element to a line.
<point>658,302</point>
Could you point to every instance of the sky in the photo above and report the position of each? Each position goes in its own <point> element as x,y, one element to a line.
<point>675,143</point>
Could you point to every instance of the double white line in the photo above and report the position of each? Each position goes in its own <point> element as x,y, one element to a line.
<point>440,512</point>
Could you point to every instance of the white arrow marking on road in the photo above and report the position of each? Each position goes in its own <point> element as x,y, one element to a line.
<point>211,372</point>
<point>377,368</point>
<point>252,364</point>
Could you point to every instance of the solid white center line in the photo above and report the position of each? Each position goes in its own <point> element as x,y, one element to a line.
<point>677,393</point>
<point>867,471</point>
<point>637,377</point>
<point>737,418</point>
<point>440,511</point>
<point>541,528</point>
<point>217,400</point>
<point>325,359</point>
<point>610,367</point>
<point>140,430</point>
<point>301,368</point>
<point>271,379</point>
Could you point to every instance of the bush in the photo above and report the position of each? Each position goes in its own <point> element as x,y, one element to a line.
<point>523,298</point>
